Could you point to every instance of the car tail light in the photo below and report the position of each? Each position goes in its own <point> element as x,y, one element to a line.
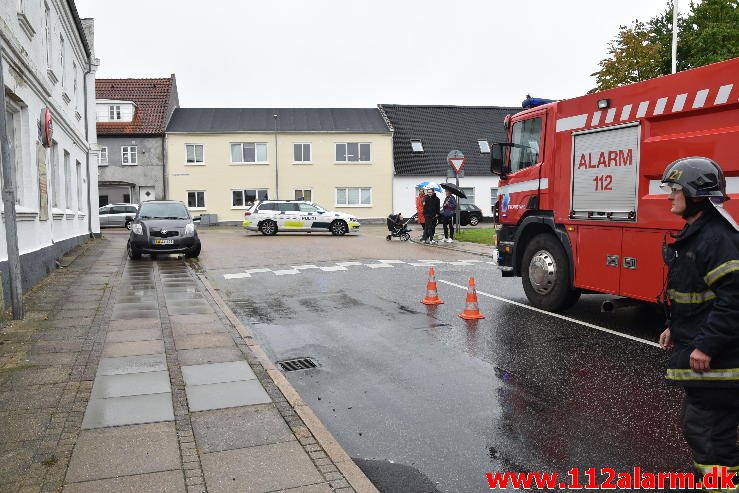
<point>247,213</point>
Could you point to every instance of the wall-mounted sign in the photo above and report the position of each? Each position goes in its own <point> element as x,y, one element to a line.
<point>46,129</point>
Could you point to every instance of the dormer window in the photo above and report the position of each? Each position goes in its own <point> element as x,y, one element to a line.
<point>417,146</point>
<point>484,146</point>
<point>114,112</point>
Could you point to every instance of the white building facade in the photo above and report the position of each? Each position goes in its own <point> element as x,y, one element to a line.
<point>48,62</point>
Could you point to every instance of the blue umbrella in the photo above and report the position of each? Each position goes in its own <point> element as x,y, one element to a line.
<point>429,184</point>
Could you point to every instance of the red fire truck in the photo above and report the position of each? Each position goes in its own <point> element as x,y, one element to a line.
<point>579,204</point>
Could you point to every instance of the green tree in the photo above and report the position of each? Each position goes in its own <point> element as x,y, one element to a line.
<point>633,56</point>
<point>709,34</point>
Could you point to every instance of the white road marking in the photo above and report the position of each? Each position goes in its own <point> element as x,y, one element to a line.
<point>432,261</point>
<point>305,267</point>
<point>347,264</point>
<point>555,315</point>
<point>241,275</point>
<point>391,261</point>
<point>333,268</point>
<point>416,264</point>
<point>286,272</point>
<point>256,271</point>
<point>378,266</point>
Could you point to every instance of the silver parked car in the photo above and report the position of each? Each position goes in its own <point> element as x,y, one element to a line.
<point>117,215</point>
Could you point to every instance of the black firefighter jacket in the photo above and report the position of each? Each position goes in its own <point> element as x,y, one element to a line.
<point>703,291</point>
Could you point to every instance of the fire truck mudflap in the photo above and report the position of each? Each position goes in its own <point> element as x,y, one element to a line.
<point>605,171</point>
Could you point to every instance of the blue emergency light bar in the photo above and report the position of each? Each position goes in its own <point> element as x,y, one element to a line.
<point>530,102</point>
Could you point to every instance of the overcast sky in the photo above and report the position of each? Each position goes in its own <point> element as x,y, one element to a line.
<point>352,53</point>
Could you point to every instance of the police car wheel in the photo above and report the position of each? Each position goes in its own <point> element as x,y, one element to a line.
<point>338,228</point>
<point>546,274</point>
<point>268,228</point>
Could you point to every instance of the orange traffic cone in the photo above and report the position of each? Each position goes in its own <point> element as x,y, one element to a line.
<point>471,310</point>
<point>432,295</point>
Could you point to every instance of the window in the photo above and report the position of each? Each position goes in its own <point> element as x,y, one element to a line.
<point>416,146</point>
<point>54,173</point>
<point>304,194</point>
<point>74,84</point>
<point>114,112</point>
<point>196,199</point>
<point>350,152</point>
<point>353,196</point>
<point>103,156</point>
<point>129,155</point>
<point>525,139</point>
<point>286,207</point>
<point>246,197</point>
<point>249,152</point>
<point>301,153</point>
<point>470,193</point>
<point>127,198</point>
<point>80,188</point>
<point>61,58</point>
<point>307,208</point>
<point>103,201</point>
<point>67,182</point>
<point>484,146</point>
<point>14,129</point>
<point>194,153</point>
<point>49,57</point>
<point>493,196</point>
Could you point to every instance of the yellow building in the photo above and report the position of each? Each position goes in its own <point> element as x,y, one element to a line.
<point>220,160</point>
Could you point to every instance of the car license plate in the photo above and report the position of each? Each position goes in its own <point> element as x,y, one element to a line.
<point>164,242</point>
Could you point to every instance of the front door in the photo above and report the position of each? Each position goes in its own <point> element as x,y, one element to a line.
<point>146,193</point>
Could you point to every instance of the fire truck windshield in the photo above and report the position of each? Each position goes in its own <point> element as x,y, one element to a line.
<point>525,138</point>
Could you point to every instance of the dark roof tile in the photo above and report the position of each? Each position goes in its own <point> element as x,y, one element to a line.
<point>442,129</point>
<point>151,97</point>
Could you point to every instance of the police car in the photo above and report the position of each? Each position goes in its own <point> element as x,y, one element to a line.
<point>271,216</point>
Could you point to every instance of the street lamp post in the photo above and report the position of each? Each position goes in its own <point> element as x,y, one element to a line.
<point>277,175</point>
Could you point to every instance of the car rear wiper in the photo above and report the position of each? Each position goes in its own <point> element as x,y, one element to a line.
<point>145,217</point>
<point>174,217</point>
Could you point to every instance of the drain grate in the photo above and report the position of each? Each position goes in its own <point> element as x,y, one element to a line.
<point>297,364</point>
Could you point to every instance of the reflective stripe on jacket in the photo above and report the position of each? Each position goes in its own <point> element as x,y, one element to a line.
<point>703,290</point>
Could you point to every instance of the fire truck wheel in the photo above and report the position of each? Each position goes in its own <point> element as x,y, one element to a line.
<point>546,274</point>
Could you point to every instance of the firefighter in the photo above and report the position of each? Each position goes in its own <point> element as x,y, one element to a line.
<point>702,293</point>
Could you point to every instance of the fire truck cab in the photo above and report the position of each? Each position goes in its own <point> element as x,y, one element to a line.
<point>579,205</point>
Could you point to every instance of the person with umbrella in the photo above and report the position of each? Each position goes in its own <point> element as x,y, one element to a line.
<point>419,211</point>
<point>431,210</point>
<point>448,210</point>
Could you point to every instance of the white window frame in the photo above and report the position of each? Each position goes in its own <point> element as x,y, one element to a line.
<point>61,58</point>
<point>416,146</point>
<point>360,197</point>
<point>302,152</point>
<point>243,196</point>
<point>68,181</point>
<point>266,152</point>
<point>114,110</point>
<point>200,207</point>
<point>103,152</point>
<point>359,144</point>
<point>195,154</point>
<point>480,142</point>
<point>80,188</point>
<point>135,155</point>
<point>15,125</point>
<point>49,39</point>
<point>303,190</point>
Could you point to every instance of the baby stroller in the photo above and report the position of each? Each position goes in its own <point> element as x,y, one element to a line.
<point>398,227</point>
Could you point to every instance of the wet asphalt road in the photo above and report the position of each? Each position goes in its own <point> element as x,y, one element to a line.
<point>425,401</point>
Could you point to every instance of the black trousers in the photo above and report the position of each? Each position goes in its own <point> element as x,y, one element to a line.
<point>448,222</point>
<point>429,227</point>
<point>710,418</point>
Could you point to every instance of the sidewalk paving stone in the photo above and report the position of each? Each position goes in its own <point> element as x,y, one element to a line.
<point>223,395</point>
<point>217,373</point>
<point>259,469</point>
<point>134,335</point>
<point>134,409</point>
<point>209,355</point>
<point>124,451</point>
<point>132,348</point>
<point>194,341</point>
<point>135,323</point>
<point>157,482</point>
<point>132,364</point>
<point>152,382</point>
<point>239,427</point>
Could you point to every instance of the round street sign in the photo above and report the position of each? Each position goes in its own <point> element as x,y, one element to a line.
<point>456,160</point>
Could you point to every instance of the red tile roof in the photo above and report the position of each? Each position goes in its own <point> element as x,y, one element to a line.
<point>151,97</point>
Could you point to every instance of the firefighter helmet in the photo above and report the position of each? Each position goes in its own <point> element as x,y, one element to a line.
<point>697,177</point>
